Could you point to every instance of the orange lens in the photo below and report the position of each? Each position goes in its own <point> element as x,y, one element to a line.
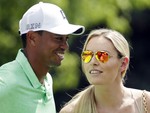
<point>102,56</point>
<point>87,56</point>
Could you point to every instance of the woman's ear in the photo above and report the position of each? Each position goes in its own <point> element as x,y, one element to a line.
<point>124,63</point>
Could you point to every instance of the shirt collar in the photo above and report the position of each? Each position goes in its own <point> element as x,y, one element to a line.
<point>23,61</point>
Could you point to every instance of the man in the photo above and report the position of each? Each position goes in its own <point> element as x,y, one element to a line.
<point>25,84</point>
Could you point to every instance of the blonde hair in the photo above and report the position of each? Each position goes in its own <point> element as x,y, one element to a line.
<point>85,100</point>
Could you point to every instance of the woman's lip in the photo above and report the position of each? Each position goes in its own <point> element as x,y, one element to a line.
<point>94,71</point>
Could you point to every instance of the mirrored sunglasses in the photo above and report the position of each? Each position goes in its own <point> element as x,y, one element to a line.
<point>101,56</point>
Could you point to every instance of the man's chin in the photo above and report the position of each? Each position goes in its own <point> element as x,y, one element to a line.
<point>55,65</point>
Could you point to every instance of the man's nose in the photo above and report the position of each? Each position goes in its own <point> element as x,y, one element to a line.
<point>65,45</point>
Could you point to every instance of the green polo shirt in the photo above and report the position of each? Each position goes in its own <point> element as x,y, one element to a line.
<point>21,91</point>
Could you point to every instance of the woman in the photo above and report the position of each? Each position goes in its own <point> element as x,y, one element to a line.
<point>105,60</point>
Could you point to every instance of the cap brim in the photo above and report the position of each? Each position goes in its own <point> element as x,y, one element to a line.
<point>67,29</point>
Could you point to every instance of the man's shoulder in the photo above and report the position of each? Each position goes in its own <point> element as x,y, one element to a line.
<point>8,65</point>
<point>10,68</point>
<point>9,71</point>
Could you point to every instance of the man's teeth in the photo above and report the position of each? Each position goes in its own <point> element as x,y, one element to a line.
<point>60,55</point>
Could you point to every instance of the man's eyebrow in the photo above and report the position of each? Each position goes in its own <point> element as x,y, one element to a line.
<point>58,35</point>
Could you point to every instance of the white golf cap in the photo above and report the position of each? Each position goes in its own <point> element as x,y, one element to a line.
<point>48,17</point>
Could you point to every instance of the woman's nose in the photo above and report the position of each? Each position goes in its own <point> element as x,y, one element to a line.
<point>94,61</point>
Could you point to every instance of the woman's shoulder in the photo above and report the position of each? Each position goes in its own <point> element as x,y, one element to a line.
<point>147,99</point>
<point>139,93</point>
<point>141,96</point>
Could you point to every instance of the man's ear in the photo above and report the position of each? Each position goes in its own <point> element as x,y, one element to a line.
<point>124,63</point>
<point>31,38</point>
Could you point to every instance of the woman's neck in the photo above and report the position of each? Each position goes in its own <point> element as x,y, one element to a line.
<point>110,96</point>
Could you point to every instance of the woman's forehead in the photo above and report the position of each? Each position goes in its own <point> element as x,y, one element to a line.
<point>99,42</point>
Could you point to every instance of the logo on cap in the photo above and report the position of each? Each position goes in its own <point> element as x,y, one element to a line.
<point>33,26</point>
<point>63,15</point>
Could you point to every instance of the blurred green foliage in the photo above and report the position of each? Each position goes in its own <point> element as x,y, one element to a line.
<point>114,14</point>
<point>67,75</point>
